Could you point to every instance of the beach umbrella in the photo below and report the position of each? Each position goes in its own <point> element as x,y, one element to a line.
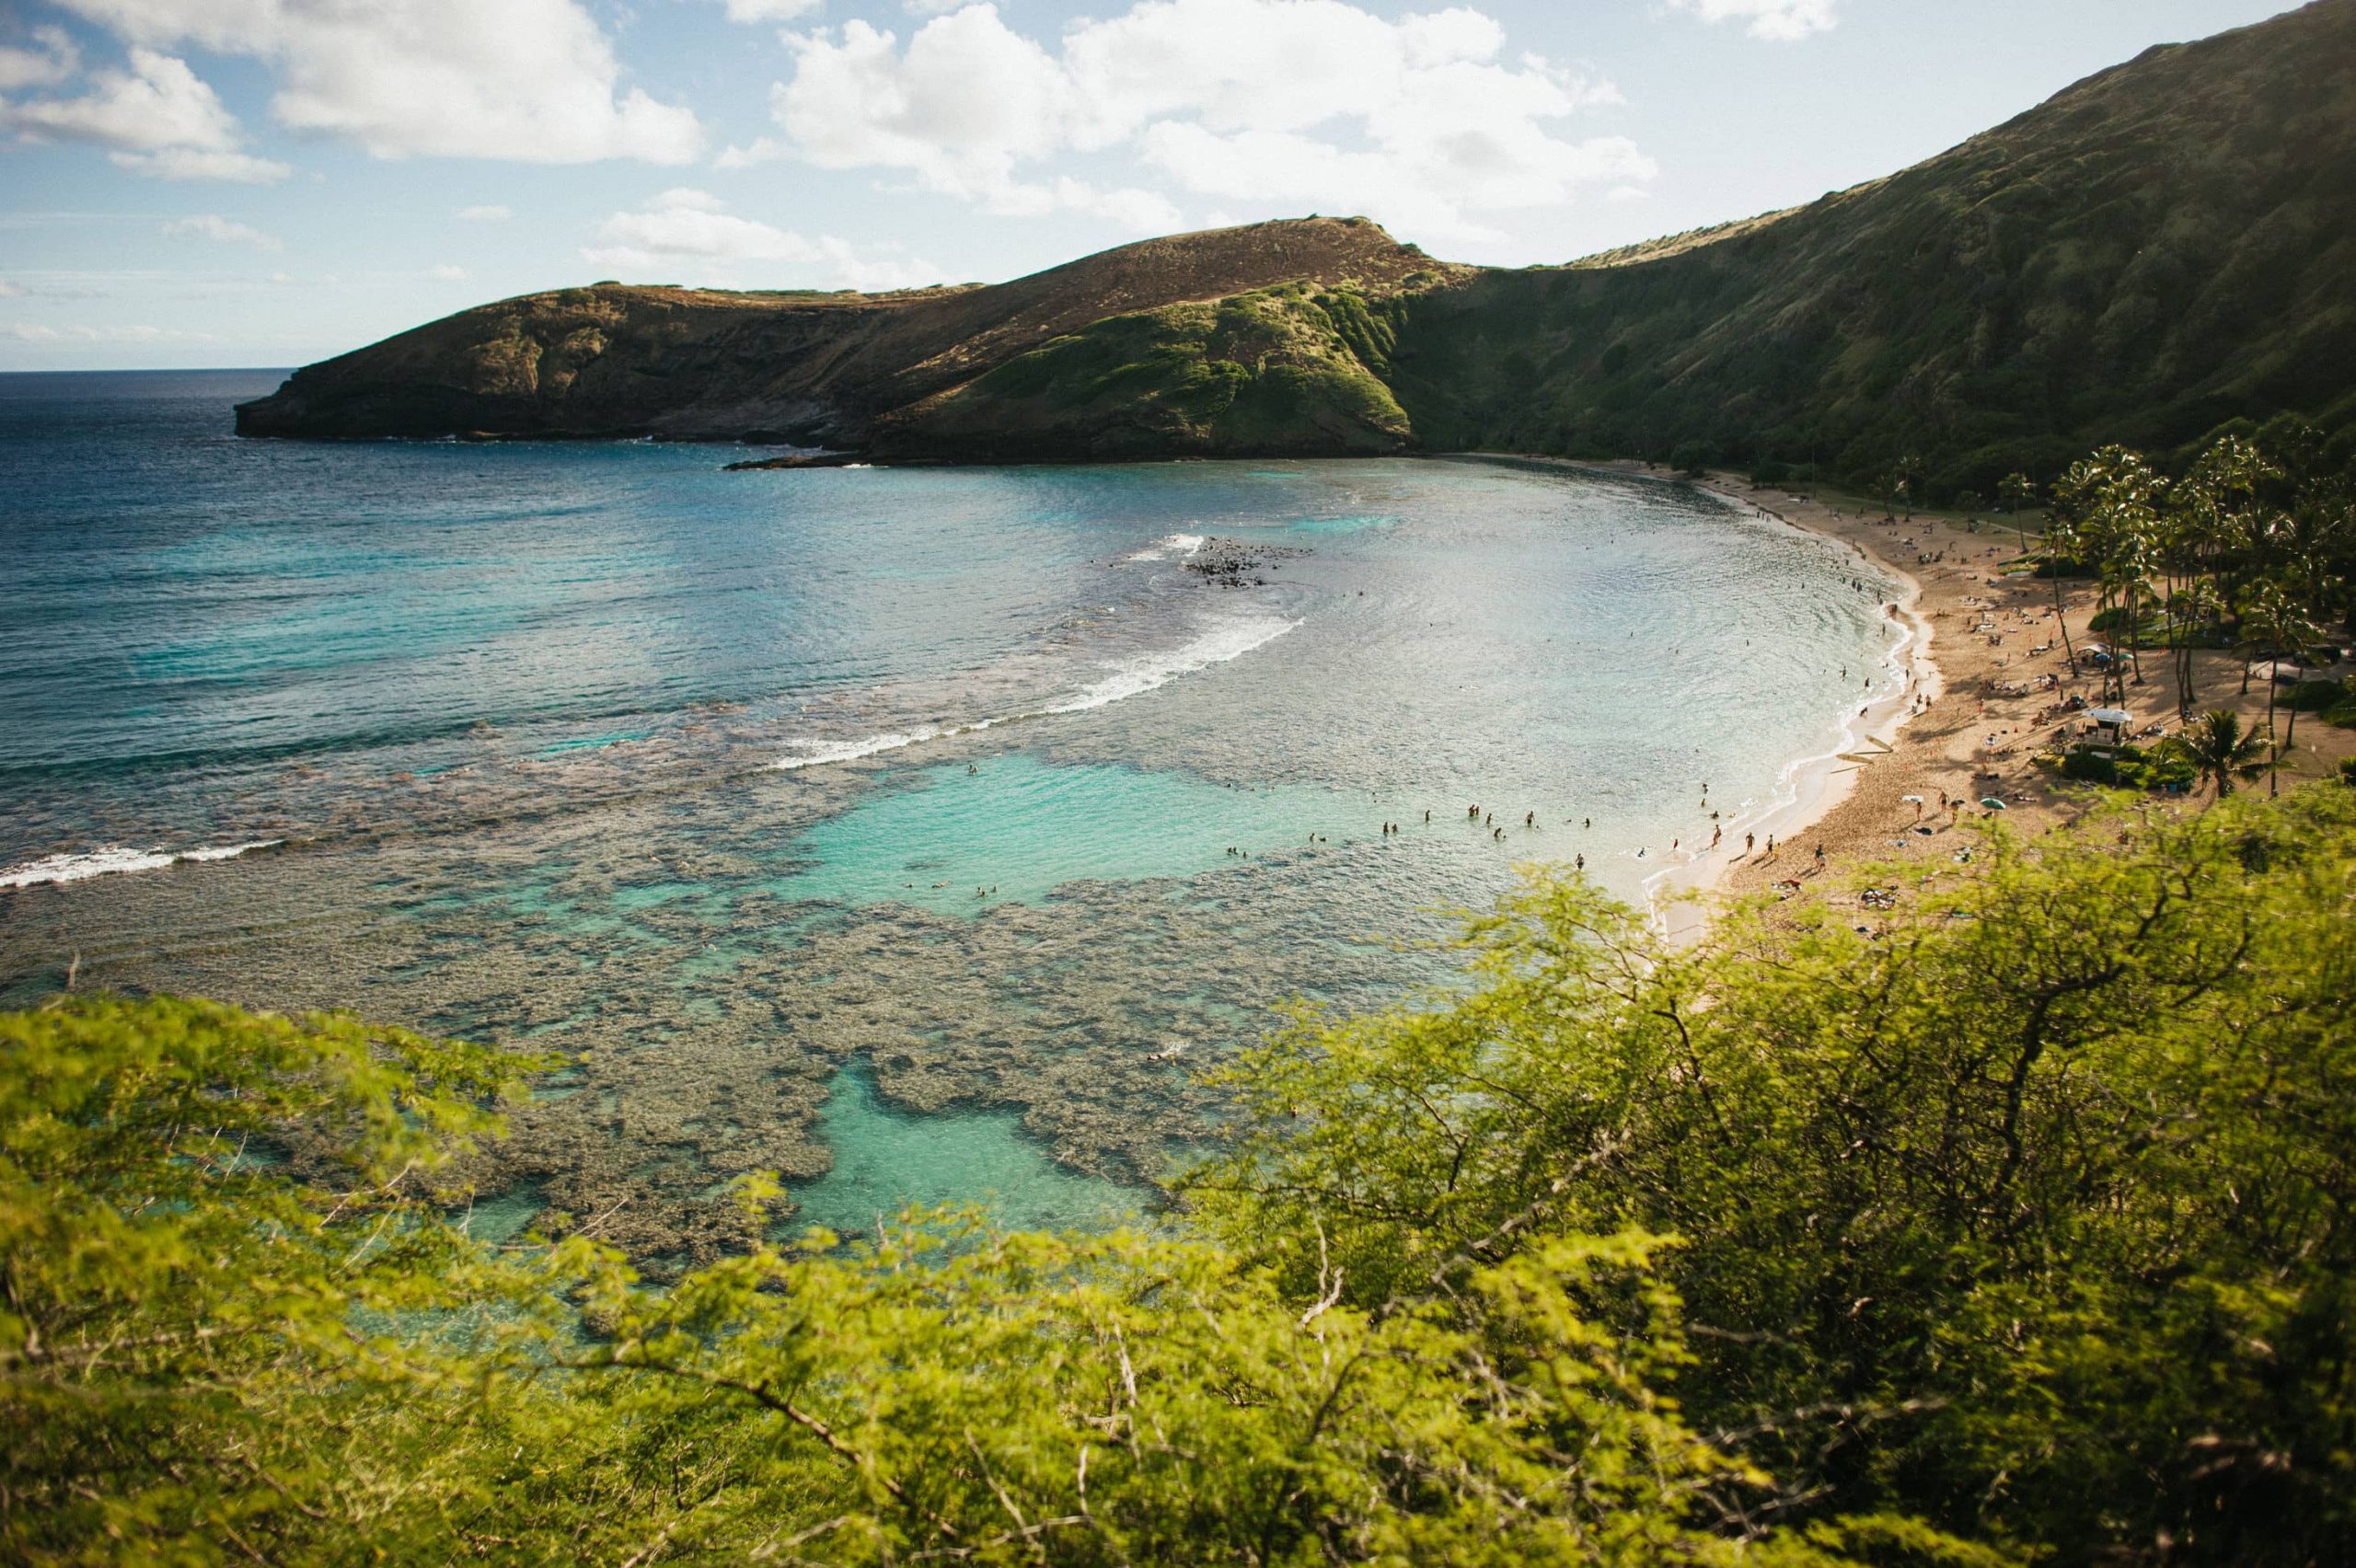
<point>1992,804</point>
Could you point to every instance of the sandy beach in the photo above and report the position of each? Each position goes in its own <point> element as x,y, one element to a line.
<point>1981,688</point>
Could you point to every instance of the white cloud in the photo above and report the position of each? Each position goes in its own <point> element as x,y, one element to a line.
<point>220,230</point>
<point>52,59</point>
<point>1781,20</point>
<point>488,215</point>
<point>157,118</point>
<point>28,334</point>
<point>688,228</point>
<point>445,274</point>
<point>530,80</point>
<point>768,10</point>
<point>1424,122</point>
<point>199,163</point>
<point>686,198</point>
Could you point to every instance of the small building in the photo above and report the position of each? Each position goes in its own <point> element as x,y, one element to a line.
<point>2106,729</point>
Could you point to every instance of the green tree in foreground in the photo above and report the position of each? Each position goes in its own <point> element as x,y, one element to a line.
<point>209,1224</point>
<point>239,1328</point>
<point>2017,1228</point>
<point>2030,1215</point>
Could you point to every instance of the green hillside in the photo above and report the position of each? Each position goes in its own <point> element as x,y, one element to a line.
<point>1274,371</point>
<point>2164,248</point>
<point>2157,250</point>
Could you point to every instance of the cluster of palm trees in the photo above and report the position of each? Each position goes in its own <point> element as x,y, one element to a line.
<point>2247,546</point>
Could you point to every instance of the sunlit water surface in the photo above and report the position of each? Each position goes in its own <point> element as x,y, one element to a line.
<point>918,834</point>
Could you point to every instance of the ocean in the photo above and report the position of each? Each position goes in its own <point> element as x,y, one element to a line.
<point>920,833</point>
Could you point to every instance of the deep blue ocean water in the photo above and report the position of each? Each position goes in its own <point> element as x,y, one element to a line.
<point>916,832</point>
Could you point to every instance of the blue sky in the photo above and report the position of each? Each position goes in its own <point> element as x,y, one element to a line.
<point>266,182</point>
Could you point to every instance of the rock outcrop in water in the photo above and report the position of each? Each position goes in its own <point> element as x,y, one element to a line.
<point>2162,248</point>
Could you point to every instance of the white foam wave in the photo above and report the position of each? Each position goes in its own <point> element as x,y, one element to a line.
<point>1131,677</point>
<point>1176,546</point>
<point>851,751</point>
<point>114,858</point>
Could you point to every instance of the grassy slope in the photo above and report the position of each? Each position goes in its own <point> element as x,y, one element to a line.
<point>700,364</point>
<point>1274,371</point>
<point>2158,249</point>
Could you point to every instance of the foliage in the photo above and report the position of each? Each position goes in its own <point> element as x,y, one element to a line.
<point>2029,1216</point>
<point>2217,748</point>
<point>1278,370</point>
<point>2015,1226</point>
<point>1694,458</point>
<point>2314,697</point>
<point>196,1338</point>
<point>210,1357</point>
<point>2130,767</point>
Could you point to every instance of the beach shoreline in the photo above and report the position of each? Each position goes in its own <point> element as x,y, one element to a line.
<point>1901,766</point>
<point>1813,790</point>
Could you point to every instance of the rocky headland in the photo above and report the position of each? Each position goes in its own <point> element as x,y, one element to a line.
<point>2160,250</point>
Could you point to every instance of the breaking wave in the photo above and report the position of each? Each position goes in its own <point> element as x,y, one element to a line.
<point>114,858</point>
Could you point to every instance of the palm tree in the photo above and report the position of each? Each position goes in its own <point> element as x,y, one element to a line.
<point>2016,493</point>
<point>1907,474</point>
<point>2061,542</point>
<point>2189,611</point>
<point>2219,748</point>
<point>2271,616</point>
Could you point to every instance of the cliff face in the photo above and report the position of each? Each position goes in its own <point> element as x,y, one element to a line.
<point>2166,247</point>
<point>813,368</point>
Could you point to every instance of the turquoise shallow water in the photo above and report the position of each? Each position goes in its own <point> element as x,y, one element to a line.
<point>953,838</point>
<point>887,1160</point>
<point>697,774</point>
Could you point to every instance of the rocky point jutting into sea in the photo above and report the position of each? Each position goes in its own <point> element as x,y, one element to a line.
<point>2163,248</point>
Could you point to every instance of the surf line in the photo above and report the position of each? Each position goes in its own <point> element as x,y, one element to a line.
<point>1135,678</point>
<point>112,858</point>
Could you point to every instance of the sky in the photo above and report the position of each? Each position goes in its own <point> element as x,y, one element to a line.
<point>268,182</point>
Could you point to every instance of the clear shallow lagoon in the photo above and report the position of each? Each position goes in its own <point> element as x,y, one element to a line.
<point>698,774</point>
